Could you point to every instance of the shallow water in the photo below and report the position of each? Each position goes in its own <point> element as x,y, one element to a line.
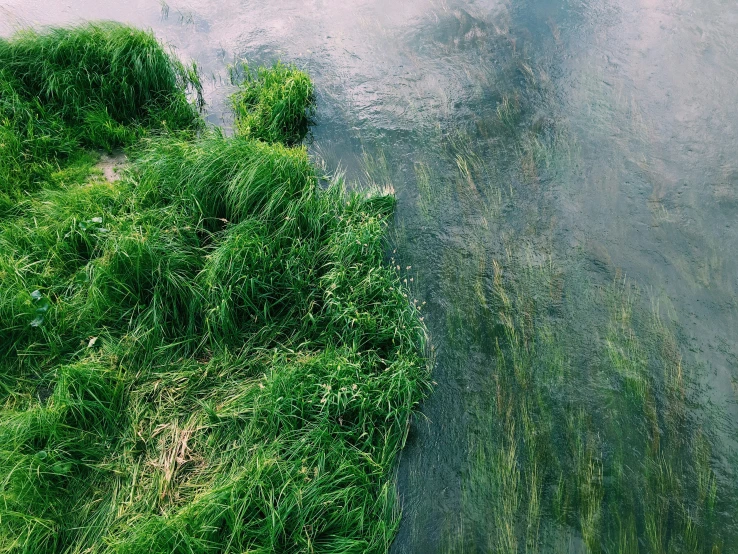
<point>540,151</point>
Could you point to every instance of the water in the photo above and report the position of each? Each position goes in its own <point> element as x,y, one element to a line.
<point>567,192</point>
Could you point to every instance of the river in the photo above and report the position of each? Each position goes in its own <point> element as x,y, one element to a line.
<point>567,192</point>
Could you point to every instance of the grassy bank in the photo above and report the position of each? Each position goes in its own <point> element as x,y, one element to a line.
<point>99,86</point>
<point>209,355</point>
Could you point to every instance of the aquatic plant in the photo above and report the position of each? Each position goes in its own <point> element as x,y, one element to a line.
<point>208,355</point>
<point>586,424</point>
<point>591,436</point>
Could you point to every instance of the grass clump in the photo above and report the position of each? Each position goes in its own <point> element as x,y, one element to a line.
<point>274,104</point>
<point>207,356</point>
<point>99,85</point>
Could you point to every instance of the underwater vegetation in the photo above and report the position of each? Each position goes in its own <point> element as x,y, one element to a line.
<point>591,439</point>
<point>589,427</point>
<point>208,355</point>
<point>586,422</point>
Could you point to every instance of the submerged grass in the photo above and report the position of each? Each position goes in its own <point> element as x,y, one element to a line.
<point>585,430</point>
<point>591,436</point>
<point>209,355</point>
<point>590,433</point>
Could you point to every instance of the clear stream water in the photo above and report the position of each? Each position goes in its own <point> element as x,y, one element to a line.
<point>569,163</point>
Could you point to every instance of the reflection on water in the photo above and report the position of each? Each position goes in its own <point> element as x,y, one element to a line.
<point>567,191</point>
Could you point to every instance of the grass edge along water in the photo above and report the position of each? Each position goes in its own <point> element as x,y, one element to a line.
<point>100,85</point>
<point>207,355</point>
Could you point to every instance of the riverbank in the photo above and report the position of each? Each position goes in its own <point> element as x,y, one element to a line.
<point>209,354</point>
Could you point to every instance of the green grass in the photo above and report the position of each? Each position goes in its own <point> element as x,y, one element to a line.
<point>273,104</point>
<point>99,86</point>
<point>209,355</point>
